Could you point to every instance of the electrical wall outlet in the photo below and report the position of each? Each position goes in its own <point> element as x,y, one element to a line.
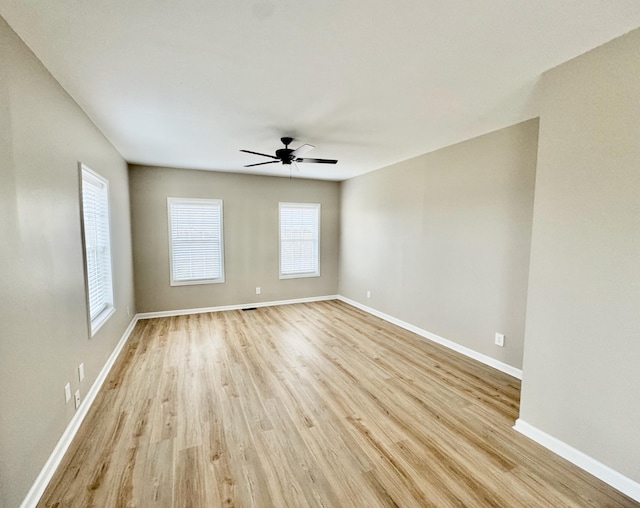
<point>368,294</point>
<point>67,393</point>
<point>77,396</point>
<point>258,290</point>
<point>500,339</point>
<point>81,371</point>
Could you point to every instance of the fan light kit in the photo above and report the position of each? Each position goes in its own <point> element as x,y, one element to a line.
<point>287,155</point>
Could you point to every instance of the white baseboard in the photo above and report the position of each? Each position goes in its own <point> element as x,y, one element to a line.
<point>43,479</point>
<point>184,312</point>
<point>487,360</point>
<point>618,481</point>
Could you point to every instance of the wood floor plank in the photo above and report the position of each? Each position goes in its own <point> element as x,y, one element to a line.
<point>307,405</point>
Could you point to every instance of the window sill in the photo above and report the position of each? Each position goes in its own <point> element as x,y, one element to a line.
<point>196,282</point>
<point>101,319</point>
<point>300,275</point>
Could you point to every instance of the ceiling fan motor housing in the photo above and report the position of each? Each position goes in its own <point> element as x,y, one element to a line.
<point>284,154</point>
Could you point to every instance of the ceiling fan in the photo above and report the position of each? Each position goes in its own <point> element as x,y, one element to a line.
<point>287,155</point>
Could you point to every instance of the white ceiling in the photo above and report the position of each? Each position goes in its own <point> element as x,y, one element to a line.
<point>188,83</point>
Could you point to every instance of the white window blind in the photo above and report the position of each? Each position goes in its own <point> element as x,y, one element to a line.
<point>299,240</point>
<point>97,245</point>
<point>196,241</point>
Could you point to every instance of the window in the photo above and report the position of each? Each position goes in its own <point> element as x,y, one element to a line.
<point>299,240</point>
<point>97,246</point>
<point>195,241</point>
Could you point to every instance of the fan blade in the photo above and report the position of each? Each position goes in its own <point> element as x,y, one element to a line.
<point>301,150</point>
<point>262,163</point>
<point>318,161</point>
<point>258,153</point>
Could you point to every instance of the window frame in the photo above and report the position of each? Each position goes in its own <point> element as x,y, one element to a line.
<point>192,282</point>
<point>299,275</point>
<point>94,178</point>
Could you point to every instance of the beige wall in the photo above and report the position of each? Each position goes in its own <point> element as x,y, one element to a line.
<point>442,240</point>
<point>582,346</point>
<point>43,320</point>
<point>250,237</point>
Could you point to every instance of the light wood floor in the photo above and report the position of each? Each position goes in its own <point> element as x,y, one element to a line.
<point>307,405</point>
